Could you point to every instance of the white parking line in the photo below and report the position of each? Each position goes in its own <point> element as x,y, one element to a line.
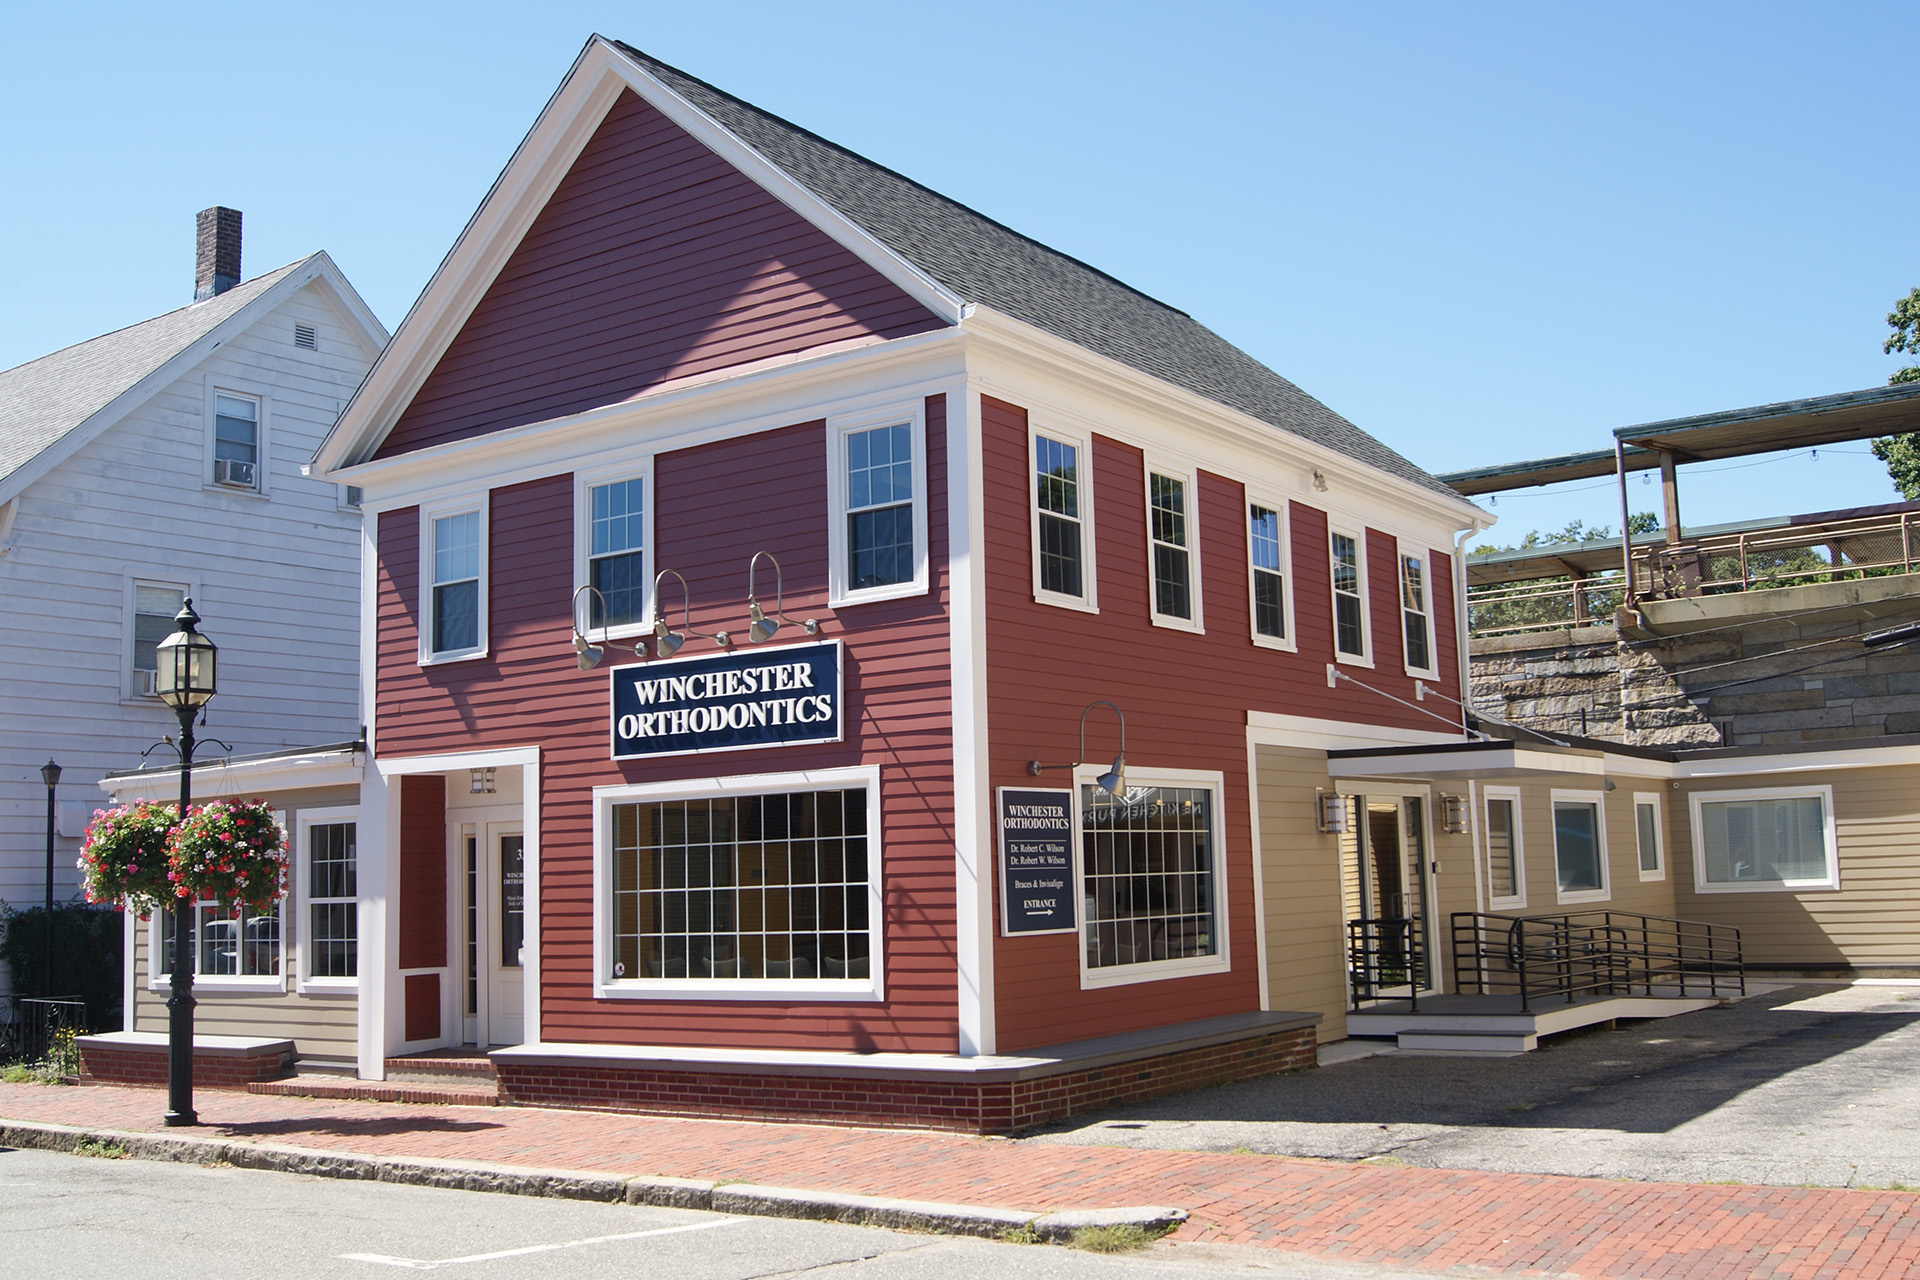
<point>420,1264</point>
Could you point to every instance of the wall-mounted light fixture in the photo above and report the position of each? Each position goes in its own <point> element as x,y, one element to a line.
<point>667,642</point>
<point>1453,814</point>
<point>1319,482</point>
<point>1114,780</point>
<point>1332,812</point>
<point>480,781</point>
<point>759,625</point>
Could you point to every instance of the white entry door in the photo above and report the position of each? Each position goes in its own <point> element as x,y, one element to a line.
<point>493,918</point>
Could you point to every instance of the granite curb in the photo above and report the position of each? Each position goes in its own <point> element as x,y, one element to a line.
<point>738,1198</point>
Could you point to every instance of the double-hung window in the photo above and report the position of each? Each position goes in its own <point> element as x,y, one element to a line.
<point>877,484</point>
<point>614,517</point>
<point>454,565</point>
<point>1270,599</point>
<point>1648,837</point>
<point>155,605</point>
<point>757,887</point>
<point>1780,838</point>
<point>1416,615</point>
<point>1062,512</point>
<point>1351,641</point>
<point>329,878</point>
<point>1172,548</point>
<point>236,440</point>
<point>1150,867</point>
<point>1580,846</point>
<point>1506,851</point>
<point>234,947</point>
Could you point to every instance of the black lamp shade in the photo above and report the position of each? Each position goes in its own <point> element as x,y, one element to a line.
<point>50,774</point>
<point>184,668</point>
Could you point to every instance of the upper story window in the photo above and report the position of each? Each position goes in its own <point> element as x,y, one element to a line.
<point>1171,551</point>
<point>155,605</point>
<point>877,483</point>
<point>616,553</point>
<point>1062,512</point>
<point>236,440</point>
<point>454,567</point>
<point>1780,838</point>
<point>1351,640</point>
<point>1416,615</point>
<point>1271,598</point>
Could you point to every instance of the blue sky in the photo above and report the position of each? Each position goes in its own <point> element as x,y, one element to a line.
<point>1482,232</point>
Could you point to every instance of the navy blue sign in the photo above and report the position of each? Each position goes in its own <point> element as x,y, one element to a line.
<point>1036,861</point>
<point>727,702</point>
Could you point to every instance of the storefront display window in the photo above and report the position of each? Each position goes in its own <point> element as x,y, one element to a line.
<point>1149,872</point>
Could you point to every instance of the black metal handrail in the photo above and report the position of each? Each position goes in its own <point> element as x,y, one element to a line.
<point>1594,953</point>
<point>29,1027</point>
<point>1385,953</point>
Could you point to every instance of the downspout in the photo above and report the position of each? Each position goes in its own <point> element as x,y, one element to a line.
<point>1460,624</point>
<point>1626,538</point>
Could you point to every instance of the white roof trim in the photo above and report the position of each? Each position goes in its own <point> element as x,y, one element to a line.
<point>218,780</point>
<point>534,172</point>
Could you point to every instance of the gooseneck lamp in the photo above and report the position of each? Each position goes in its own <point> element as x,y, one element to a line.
<point>1114,780</point>
<point>760,627</point>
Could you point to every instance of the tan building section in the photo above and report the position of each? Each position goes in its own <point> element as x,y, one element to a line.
<point>1872,922</point>
<point>1300,884</point>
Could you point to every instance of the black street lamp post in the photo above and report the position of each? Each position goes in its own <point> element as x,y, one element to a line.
<point>184,679</point>
<point>49,774</point>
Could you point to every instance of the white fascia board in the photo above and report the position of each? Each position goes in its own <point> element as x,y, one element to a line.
<point>220,780</point>
<point>675,418</point>
<point>538,164</point>
<point>1272,729</point>
<point>175,367</point>
<point>454,761</point>
<point>1022,362</point>
<point>1852,757</point>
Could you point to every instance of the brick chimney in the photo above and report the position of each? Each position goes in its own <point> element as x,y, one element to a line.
<point>216,257</point>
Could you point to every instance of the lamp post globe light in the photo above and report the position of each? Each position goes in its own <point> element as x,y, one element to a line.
<point>49,774</point>
<point>184,679</point>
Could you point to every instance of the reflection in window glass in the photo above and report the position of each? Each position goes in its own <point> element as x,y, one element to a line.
<point>1167,521</point>
<point>456,582</point>
<point>1779,839</point>
<point>1646,822</point>
<point>1504,878</point>
<point>1349,615</point>
<point>1149,868</point>
<point>1413,612</point>
<point>332,908</point>
<point>1269,586</point>
<point>880,507</point>
<point>1576,846</point>
<point>617,563</point>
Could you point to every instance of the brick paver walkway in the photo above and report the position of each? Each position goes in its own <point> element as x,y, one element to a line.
<point>1385,1215</point>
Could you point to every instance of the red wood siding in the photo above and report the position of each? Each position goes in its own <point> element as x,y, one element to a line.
<point>423,873</point>
<point>715,506</point>
<point>1186,699</point>
<point>653,260</point>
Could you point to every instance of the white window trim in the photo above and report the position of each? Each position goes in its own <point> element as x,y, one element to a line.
<point>1828,835</point>
<point>188,586</point>
<point>1659,835</point>
<point>1189,476</point>
<point>163,982</point>
<point>914,415</point>
<point>1082,442</point>
<point>585,482</point>
<point>871,989</point>
<point>1519,899</point>
<point>262,470</point>
<point>1253,497</point>
<point>1598,799</point>
<point>1154,970</point>
<point>1365,657</point>
<point>296,902</point>
<point>1400,556</point>
<point>440,511</point>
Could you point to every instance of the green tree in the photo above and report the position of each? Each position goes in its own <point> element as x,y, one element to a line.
<point>1544,602</point>
<point>1902,453</point>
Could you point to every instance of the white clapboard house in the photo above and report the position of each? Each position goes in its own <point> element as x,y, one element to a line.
<point>161,460</point>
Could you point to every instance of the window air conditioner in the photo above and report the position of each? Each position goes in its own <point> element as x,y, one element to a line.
<point>143,682</point>
<point>233,473</point>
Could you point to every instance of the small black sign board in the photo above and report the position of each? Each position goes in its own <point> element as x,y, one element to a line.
<point>1036,861</point>
<point>778,697</point>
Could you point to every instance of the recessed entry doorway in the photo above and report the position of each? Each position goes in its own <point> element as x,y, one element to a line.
<point>493,931</point>
<point>1386,881</point>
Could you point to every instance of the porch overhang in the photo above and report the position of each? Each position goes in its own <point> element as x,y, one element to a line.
<point>1495,758</point>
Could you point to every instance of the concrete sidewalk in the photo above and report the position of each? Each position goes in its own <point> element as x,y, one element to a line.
<point>1424,1219</point>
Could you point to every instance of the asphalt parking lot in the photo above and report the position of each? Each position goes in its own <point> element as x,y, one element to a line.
<point>1811,1084</point>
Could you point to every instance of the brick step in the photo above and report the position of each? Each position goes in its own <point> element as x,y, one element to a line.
<point>474,1093</point>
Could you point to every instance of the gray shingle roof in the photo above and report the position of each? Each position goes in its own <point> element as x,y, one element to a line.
<point>985,262</point>
<point>42,400</point>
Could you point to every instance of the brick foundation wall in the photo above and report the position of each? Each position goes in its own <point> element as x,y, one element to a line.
<point>147,1065</point>
<point>963,1106</point>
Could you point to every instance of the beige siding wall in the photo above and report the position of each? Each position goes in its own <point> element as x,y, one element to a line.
<point>1300,874</point>
<point>320,1025</point>
<point>1871,921</point>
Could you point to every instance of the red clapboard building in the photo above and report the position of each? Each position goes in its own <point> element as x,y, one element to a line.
<point>746,523</point>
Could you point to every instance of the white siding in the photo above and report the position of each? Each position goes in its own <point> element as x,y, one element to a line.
<point>277,574</point>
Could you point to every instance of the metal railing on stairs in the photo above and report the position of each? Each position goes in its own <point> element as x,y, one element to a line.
<point>1596,953</point>
<point>1383,955</point>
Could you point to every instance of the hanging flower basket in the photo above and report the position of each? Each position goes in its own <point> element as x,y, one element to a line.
<point>124,855</point>
<point>231,852</point>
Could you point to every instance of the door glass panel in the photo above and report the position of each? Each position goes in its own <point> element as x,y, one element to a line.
<point>512,899</point>
<point>473,926</point>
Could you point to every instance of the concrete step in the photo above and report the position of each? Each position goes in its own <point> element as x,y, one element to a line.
<point>1468,1044</point>
<point>474,1093</point>
<point>467,1070</point>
